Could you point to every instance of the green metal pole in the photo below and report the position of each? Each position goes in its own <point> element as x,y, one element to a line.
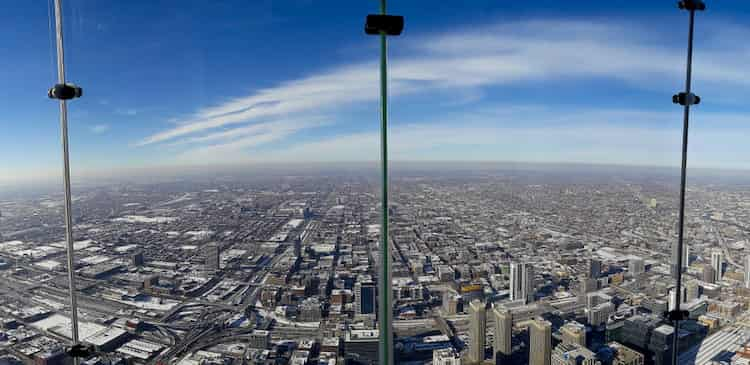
<point>385,313</point>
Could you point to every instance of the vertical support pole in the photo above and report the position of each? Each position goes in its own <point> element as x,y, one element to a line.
<point>66,175</point>
<point>688,99</point>
<point>385,312</point>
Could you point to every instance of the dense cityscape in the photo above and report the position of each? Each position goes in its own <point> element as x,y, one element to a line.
<point>526,264</point>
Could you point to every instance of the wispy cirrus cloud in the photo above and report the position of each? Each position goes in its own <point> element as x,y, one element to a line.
<point>576,136</point>
<point>128,111</point>
<point>99,128</point>
<point>496,54</point>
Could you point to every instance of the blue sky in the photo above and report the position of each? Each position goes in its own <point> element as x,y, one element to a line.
<point>175,83</point>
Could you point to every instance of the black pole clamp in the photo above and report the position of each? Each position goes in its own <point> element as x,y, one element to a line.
<point>691,5</point>
<point>686,99</point>
<point>65,92</point>
<point>677,315</point>
<point>388,24</point>
<point>80,351</point>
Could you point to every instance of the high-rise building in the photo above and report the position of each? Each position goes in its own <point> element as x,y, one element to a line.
<point>522,282</point>
<point>310,310</point>
<point>685,257</point>
<point>362,344</point>
<point>445,357</point>
<point>515,281</point>
<point>573,354</point>
<point>298,247</point>
<point>624,355</point>
<point>150,281</point>
<point>477,331</point>
<point>503,332</point>
<point>259,339</point>
<point>138,259</point>
<point>673,297</point>
<point>213,252</point>
<point>709,275</point>
<point>451,302</point>
<point>573,333</point>
<point>364,296</point>
<point>594,268</point>
<point>540,342</point>
<point>747,271</point>
<point>599,314</point>
<point>692,289</point>
<point>636,266</point>
<point>717,262</point>
<point>529,289</point>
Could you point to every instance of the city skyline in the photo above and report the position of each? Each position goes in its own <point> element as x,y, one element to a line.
<point>528,83</point>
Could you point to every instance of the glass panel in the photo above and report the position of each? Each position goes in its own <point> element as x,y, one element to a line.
<point>228,192</point>
<point>32,233</point>
<point>237,219</point>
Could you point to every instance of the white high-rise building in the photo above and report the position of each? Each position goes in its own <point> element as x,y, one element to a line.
<point>717,261</point>
<point>540,342</point>
<point>685,257</point>
<point>503,331</point>
<point>599,314</point>
<point>521,282</point>
<point>636,266</point>
<point>477,331</point>
<point>673,297</point>
<point>747,271</point>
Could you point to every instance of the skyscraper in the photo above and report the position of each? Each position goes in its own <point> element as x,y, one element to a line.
<point>747,271</point>
<point>298,247</point>
<point>527,285</point>
<point>709,275</point>
<point>503,332</point>
<point>540,342</point>
<point>521,282</point>
<point>636,266</point>
<point>137,259</point>
<point>515,281</point>
<point>692,289</point>
<point>717,261</point>
<point>212,256</point>
<point>685,257</point>
<point>594,268</point>
<point>573,333</point>
<point>364,296</point>
<point>598,315</point>
<point>477,331</point>
<point>673,297</point>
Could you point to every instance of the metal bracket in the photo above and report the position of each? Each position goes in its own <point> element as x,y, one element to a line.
<point>686,99</point>
<point>388,24</point>
<point>691,5</point>
<point>65,92</point>
<point>677,315</point>
<point>80,351</point>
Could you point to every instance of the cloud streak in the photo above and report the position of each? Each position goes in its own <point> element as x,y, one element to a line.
<point>464,61</point>
<point>99,128</point>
